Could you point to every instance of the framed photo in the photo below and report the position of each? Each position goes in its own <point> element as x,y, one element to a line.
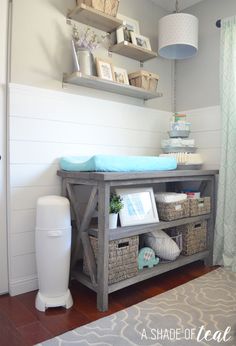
<point>104,69</point>
<point>139,206</point>
<point>141,41</point>
<point>120,75</point>
<point>129,25</point>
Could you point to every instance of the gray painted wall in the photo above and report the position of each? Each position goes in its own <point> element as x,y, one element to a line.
<point>198,78</point>
<point>41,49</point>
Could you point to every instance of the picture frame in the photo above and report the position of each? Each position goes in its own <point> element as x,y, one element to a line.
<point>120,75</point>
<point>104,69</point>
<point>141,41</point>
<point>129,25</point>
<point>139,206</point>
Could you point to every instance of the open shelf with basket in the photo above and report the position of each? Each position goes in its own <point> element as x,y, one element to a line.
<point>97,19</point>
<point>94,82</point>
<point>100,185</point>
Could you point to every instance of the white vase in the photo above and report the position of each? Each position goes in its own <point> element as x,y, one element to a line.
<point>86,61</point>
<point>113,221</point>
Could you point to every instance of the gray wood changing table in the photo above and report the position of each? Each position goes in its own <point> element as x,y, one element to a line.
<point>100,185</point>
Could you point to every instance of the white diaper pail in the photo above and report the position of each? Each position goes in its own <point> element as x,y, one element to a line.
<point>53,248</point>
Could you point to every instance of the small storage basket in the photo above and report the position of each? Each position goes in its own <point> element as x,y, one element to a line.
<point>178,238</point>
<point>173,211</point>
<point>123,258</point>
<point>199,206</point>
<point>144,79</point>
<point>194,237</point>
<point>109,7</point>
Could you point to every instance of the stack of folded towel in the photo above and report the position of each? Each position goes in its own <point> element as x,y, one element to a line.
<point>178,142</point>
<point>185,158</point>
<point>170,197</point>
<point>180,146</point>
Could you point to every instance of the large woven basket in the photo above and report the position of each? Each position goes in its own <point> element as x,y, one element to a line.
<point>123,258</point>
<point>173,211</point>
<point>199,206</point>
<point>194,237</point>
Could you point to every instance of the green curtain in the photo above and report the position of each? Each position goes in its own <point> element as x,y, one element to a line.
<point>225,231</point>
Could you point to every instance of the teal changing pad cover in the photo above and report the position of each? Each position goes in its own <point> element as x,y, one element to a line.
<point>109,163</point>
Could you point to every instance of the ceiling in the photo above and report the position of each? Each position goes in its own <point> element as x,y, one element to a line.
<point>169,5</point>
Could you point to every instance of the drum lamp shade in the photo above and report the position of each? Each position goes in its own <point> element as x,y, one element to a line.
<point>178,36</point>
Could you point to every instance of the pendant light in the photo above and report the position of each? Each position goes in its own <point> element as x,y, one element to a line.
<point>178,35</point>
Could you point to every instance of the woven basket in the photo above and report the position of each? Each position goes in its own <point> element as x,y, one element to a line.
<point>194,237</point>
<point>109,7</point>
<point>144,79</point>
<point>177,237</point>
<point>173,211</point>
<point>199,206</point>
<point>123,258</point>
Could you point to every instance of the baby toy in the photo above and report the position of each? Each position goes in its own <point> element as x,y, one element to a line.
<point>147,258</point>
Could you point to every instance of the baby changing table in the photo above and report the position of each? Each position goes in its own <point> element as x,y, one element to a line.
<point>99,186</point>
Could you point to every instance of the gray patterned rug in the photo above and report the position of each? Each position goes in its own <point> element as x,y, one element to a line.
<point>201,312</point>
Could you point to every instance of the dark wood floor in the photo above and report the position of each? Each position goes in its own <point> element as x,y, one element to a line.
<point>22,325</point>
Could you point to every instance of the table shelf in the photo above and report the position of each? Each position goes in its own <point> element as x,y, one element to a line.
<point>143,274</point>
<point>123,232</point>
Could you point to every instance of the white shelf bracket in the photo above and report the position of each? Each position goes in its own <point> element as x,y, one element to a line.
<point>68,21</point>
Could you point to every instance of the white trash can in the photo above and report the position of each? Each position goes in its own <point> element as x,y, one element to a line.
<point>53,249</point>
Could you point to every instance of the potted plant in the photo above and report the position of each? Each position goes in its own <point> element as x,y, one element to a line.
<point>114,208</point>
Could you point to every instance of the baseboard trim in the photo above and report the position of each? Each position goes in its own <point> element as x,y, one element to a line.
<point>3,292</point>
<point>24,285</point>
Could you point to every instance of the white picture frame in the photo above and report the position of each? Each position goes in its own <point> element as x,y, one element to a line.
<point>120,75</point>
<point>141,41</point>
<point>104,69</point>
<point>129,25</point>
<point>139,206</point>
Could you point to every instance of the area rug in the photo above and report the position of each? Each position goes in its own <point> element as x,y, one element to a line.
<point>200,312</point>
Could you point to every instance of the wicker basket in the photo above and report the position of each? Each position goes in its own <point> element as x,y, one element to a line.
<point>177,237</point>
<point>199,206</point>
<point>173,211</point>
<point>194,237</point>
<point>109,7</point>
<point>144,79</point>
<point>123,258</point>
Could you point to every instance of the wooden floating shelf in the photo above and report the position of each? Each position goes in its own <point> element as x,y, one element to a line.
<point>144,274</point>
<point>97,19</point>
<point>133,51</point>
<point>93,82</point>
<point>123,232</point>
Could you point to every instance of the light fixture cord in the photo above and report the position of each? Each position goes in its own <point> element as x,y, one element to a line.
<point>177,6</point>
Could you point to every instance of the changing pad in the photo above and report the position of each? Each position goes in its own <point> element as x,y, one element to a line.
<point>109,163</point>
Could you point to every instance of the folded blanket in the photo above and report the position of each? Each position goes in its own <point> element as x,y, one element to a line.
<point>178,142</point>
<point>108,163</point>
<point>170,197</point>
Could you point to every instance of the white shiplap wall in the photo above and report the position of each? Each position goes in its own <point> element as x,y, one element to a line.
<point>45,125</point>
<point>206,130</point>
